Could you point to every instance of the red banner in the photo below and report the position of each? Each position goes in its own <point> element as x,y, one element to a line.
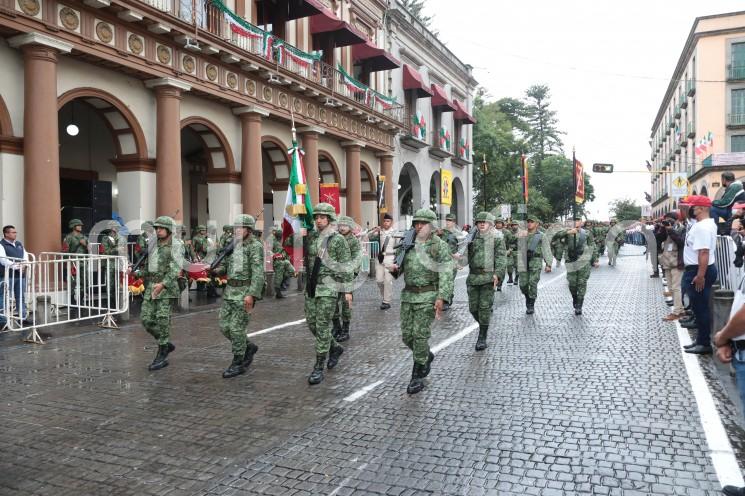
<point>329,193</point>
<point>579,194</point>
<point>524,164</point>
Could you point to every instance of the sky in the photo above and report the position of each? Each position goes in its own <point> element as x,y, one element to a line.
<point>608,65</point>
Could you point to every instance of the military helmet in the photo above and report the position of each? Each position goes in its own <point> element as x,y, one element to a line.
<point>532,217</point>
<point>244,220</point>
<point>201,227</point>
<point>425,215</point>
<point>498,219</point>
<point>450,217</point>
<point>146,225</point>
<point>345,220</point>
<point>74,222</point>
<point>325,209</point>
<point>227,227</point>
<point>485,217</point>
<point>165,222</point>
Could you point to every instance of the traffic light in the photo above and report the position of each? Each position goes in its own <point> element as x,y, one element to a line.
<point>602,168</point>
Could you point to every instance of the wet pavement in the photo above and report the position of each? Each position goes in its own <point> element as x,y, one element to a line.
<point>558,404</point>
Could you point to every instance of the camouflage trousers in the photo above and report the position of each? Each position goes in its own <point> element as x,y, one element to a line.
<point>558,252</point>
<point>529,283</point>
<point>234,320</point>
<point>601,249</point>
<point>511,264</point>
<point>480,302</point>
<point>578,281</point>
<point>156,318</point>
<point>416,320</point>
<point>318,314</point>
<point>282,270</point>
<point>342,309</point>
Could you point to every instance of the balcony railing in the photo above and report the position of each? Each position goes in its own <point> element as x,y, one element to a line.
<point>691,130</point>
<point>252,39</point>
<point>677,111</point>
<point>736,119</point>
<point>691,87</point>
<point>736,73</point>
<point>683,101</point>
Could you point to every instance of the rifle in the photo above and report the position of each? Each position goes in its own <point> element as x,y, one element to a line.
<point>406,244</point>
<point>228,250</point>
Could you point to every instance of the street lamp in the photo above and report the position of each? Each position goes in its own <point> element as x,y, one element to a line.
<point>484,170</point>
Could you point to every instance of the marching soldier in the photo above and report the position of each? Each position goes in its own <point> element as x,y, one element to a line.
<point>343,313</point>
<point>201,243</point>
<point>384,235</point>
<point>486,261</point>
<point>505,234</point>
<point>530,261</point>
<point>558,248</point>
<point>244,267</point>
<point>281,265</point>
<point>511,242</point>
<point>226,237</point>
<point>330,274</point>
<point>614,239</point>
<point>161,272</point>
<point>581,253</point>
<point>428,276</point>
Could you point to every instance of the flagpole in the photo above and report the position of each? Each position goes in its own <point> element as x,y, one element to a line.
<point>574,182</point>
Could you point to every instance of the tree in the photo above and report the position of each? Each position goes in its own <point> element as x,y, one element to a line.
<point>625,209</point>
<point>543,135</point>
<point>416,8</point>
<point>558,186</point>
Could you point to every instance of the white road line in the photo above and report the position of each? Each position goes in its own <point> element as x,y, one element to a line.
<point>276,327</point>
<point>454,338</point>
<point>346,481</point>
<point>362,392</point>
<point>722,456</point>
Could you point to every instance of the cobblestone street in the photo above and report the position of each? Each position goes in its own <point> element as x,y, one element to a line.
<point>557,404</point>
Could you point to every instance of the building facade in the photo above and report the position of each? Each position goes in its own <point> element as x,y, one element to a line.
<point>700,125</point>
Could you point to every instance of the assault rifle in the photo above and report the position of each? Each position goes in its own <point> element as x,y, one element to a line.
<point>402,248</point>
<point>228,250</point>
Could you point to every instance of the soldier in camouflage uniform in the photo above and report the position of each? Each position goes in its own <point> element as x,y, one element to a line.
<point>614,239</point>
<point>281,264</point>
<point>511,242</point>
<point>599,232</point>
<point>110,246</point>
<point>201,243</point>
<point>343,313</point>
<point>226,236</point>
<point>428,278</point>
<point>146,234</point>
<point>500,231</point>
<point>245,270</point>
<point>486,261</point>
<point>330,273</point>
<point>531,256</point>
<point>186,243</point>
<point>581,254</point>
<point>76,244</point>
<point>558,248</point>
<point>161,274</point>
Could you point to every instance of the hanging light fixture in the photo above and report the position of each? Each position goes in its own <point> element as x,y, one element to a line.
<point>72,129</point>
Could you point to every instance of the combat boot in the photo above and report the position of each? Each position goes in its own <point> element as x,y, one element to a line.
<point>344,333</point>
<point>416,384</point>
<point>499,286</point>
<point>509,281</point>
<point>236,368</point>
<point>334,354</point>
<point>427,367</point>
<point>529,306</point>
<point>160,359</point>
<point>316,377</point>
<point>248,357</point>
<point>517,278</point>
<point>481,341</point>
<point>278,293</point>
<point>170,348</point>
<point>336,330</point>
<point>578,306</point>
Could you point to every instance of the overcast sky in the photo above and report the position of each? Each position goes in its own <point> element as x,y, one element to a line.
<point>607,64</point>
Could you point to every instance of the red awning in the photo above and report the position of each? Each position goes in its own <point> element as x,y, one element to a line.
<point>461,114</point>
<point>413,81</point>
<point>326,25</point>
<point>440,99</point>
<point>296,9</point>
<point>374,59</point>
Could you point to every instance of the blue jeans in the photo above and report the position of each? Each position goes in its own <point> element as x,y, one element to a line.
<point>738,362</point>
<point>716,212</point>
<point>699,301</point>
<point>19,285</point>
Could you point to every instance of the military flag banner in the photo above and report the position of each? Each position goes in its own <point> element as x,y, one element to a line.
<point>579,182</point>
<point>524,168</point>
<point>446,187</point>
<point>298,209</point>
<point>329,193</point>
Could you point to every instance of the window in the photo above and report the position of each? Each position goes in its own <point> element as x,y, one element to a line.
<point>738,102</point>
<point>738,54</point>
<point>738,143</point>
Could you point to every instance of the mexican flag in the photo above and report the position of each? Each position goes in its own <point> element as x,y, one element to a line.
<point>298,209</point>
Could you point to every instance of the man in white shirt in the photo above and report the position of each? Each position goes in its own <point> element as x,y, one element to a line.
<point>10,272</point>
<point>387,255</point>
<point>699,258</point>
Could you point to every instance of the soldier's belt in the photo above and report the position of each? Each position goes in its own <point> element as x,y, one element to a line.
<point>479,272</point>
<point>420,289</point>
<point>237,283</point>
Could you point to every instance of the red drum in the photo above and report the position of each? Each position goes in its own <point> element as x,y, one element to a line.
<point>199,270</point>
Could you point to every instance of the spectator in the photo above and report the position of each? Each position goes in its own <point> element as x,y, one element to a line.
<point>671,259</point>
<point>699,257</point>
<point>732,194</point>
<point>10,248</point>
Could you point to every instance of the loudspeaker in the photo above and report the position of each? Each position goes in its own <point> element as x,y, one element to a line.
<point>101,200</point>
<point>89,201</point>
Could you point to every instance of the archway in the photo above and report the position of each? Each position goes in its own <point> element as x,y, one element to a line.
<point>459,202</point>
<point>704,191</point>
<point>409,190</point>
<point>276,171</point>
<point>6,125</point>
<point>434,193</point>
<point>369,197</point>
<point>98,137</point>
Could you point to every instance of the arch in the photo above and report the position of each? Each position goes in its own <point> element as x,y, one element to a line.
<point>459,201</point>
<point>274,154</point>
<point>409,190</point>
<point>368,182</point>
<point>328,171</point>
<point>6,125</point>
<point>704,191</point>
<point>434,191</point>
<point>219,156</point>
<point>124,126</point>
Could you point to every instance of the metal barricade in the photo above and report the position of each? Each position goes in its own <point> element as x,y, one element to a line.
<point>61,288</point>
<point>729,276</point>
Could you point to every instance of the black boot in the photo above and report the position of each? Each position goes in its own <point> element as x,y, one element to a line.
<point>248,357</point>
<point>481,341</point>
<point>344,333</point>
<point>316,377</point>
<point>416,384</point>
<point>499,286</point>
<point>278,293</point>
<point>427,367</point>
<point>517,278</point>
<point>170,348</point>
<point>160,359</point>
<point>509,281</point>
<point>334,354</point>
<point>578,306</point>
<point>336,329</point>
<point>236,367</point>
<point>529,306</point>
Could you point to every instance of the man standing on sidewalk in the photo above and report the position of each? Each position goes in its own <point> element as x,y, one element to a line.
<point>387,245</point>
<point>699,257</point>
<point>10,248</point>
<point>671,260</point>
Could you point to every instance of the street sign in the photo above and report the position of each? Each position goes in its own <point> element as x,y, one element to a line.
<point>602,168</point>
<point>679,182</point>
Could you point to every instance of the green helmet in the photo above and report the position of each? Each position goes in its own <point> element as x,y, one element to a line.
<point>498,219</point>
<point>425,215</point>
<point>244,220</point>
<point>486,217</point>
<point>532,217</point>
<point>74,222</point>
<point>345,220</point>
<point>325,209</point>
<point>450,217</point>
<point>146,225</point>
<point>165,222</point>
<point>201,227</point>
<point>227,227</point>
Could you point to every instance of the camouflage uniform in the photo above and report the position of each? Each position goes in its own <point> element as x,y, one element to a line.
<point>343,313</point>
<point>423,286</point>
<point>141,245</point>
<point>201,243</point>
<point>530,265</point>
<point>110,243</point>
<point>581,255</point>
<point>332,249</point>
<point>162,267</point>
<point>245,270</point>
<point>281,265</point>
<point>510,241</point>
<point>614,240</point>
<point>226,236</point>
<point>75,243</point>
<point>501,232</point>
<point>557,249</point>
<point>486,259</point>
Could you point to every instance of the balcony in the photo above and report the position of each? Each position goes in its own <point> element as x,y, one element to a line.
<point>338,89</point>
<point>691,87</point>
<point>677,111</point>
<point>736,73</point>
<point>684,142</point>
<point>416,136</point>
<point>683,102</point>
<point>671,123</point>
<point>691,130</point>
<point>736,120</point>
<point>441,145</point>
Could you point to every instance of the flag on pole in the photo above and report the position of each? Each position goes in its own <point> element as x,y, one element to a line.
<point>649,166</point>
<point>579,181</point>
<point>648,197</point>
<point>524,165</point>
<point>298,209</point>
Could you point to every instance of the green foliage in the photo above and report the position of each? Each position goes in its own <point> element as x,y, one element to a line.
<point>416,8</point>
<point>625,209</point>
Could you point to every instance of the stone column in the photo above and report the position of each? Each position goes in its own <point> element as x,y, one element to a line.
<point>353,185</point>
<point>169,190</point>
<point>310,145</point>
<point>386,169</point>
<point>252,178</point>
<point>41,181</point>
